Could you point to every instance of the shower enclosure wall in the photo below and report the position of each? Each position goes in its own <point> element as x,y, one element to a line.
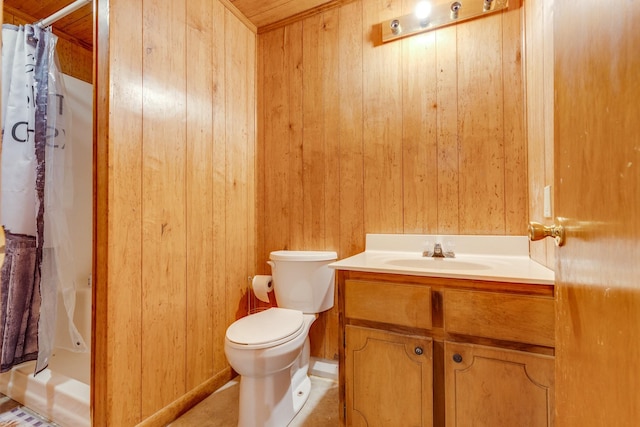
<point>61,392</point>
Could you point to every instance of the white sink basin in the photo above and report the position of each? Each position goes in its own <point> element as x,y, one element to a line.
<point>438,264</point>
<point>492,258</point>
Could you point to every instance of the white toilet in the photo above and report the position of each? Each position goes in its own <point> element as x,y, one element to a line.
<point>270,349</point>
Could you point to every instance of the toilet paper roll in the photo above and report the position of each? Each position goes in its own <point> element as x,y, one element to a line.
<point>262,285</point>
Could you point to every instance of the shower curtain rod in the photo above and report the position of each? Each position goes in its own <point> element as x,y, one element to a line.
<point>67,10</point>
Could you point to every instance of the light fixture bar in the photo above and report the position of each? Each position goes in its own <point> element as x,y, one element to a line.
<point>442,14</point>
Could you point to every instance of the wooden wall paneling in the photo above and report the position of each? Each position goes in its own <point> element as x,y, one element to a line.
<point>350,120</point>
<point>238,94</point>
<point>535,118</point>
<point>331,96</point>
<point>276,134</point>
<point>75,60</point>
<point>250,118</point>
<point>163,205</point>
<point>481,117</point>
<point>538,17</point>
<point>515,177</point>
<point>260,166</point>
<point>448,139</point>
<point>313,147</point>
<point>313,153</point>
<point>218,215</point>
<point>175,192</point>
<point>100,261</point>
<point>382,94</point>
<point>419,132</point>
<point>199,198</point>
<point>295,67</point>
<point>515,185</point>
<point>117,321</point>
<point>549,99</point>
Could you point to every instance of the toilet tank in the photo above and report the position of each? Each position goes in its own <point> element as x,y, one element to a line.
<point>302,280</point>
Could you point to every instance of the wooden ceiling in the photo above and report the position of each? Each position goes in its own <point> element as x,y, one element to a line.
<point>264,14</point>
<point>78,26</point>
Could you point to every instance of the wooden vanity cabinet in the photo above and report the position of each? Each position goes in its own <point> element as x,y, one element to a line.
<point>388,374</point>
<point>388,378</point>
<point>493,387</point>
<point>421,351</point>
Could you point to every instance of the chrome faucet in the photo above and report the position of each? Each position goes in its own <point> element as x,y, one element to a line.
<point>438,252</point>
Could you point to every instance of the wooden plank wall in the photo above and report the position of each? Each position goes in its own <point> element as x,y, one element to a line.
<point>539,115</point>
<point>75,59</point>
<point>422,135</point>
<point>175,203</point>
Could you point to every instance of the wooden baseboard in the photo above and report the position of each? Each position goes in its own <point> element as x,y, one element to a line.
<point>181,405</point>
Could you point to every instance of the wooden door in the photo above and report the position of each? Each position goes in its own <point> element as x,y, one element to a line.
<point>494,387</point>
<point>597,181</point>
<point>389,379</point>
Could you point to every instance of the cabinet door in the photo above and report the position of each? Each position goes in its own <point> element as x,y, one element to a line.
<point>494,387</point>
<point>389,379</point>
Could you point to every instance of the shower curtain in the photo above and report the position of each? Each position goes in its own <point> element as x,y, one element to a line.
<point>34,197</point>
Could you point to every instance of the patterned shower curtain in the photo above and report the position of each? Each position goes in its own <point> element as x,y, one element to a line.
<point>35,156</point>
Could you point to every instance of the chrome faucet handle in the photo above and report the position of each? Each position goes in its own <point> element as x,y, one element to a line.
<point>437,251</point>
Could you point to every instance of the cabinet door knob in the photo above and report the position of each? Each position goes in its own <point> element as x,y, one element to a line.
<point>457,358</point>
<point>418,351</point>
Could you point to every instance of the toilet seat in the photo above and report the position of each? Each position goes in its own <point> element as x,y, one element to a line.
<point>266,329</point>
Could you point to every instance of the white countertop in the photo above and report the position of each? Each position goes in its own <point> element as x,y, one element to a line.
<point>492,258</point>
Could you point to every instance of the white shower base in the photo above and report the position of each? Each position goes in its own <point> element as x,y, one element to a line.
<point>54,395</point>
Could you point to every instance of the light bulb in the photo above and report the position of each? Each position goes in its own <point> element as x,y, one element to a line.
<point>422,11</point>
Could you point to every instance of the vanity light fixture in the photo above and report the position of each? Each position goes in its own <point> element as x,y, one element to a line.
<point>422,12</point>
<point>427,17</point>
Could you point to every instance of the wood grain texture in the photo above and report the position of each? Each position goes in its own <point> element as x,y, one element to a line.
<point>350,166</point>
<point>405,305</point>
<point>76,58</point>
<point>497,387</point>
<point>218,214</point>
<point>419,129</point>
<point>524,319</point>
<point>382,127</point>
<point>480,126</point>
<point>176,188</point>
<point>430,135</point>
<point>387,382</point>
<point>538,26</point>
<point>199,204</point>
<point>76,27</point>
<point>117,321</point>
<point>163,199</point>
<point>262,13</point>
<point>597,183</point>
<point>446,168</point>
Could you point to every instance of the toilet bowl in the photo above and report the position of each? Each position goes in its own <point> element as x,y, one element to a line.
<point>273,375</point>
<point>270,349</point>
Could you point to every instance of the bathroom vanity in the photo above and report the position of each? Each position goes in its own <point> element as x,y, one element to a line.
<point>469,342</point>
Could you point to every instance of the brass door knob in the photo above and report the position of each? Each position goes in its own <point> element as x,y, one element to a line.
<point>539,231</point>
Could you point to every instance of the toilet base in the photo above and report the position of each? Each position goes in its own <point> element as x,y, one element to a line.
<point>274,381</point>
<point>274,400</point>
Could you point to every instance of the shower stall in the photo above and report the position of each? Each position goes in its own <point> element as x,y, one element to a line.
<point>62,391</point>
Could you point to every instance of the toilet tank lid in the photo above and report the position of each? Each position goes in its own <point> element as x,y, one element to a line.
<point>303,255</point>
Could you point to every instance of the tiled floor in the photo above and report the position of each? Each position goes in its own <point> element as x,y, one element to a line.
<point>27,416</point>
<point>7,404</point>
<point>221,408</point>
